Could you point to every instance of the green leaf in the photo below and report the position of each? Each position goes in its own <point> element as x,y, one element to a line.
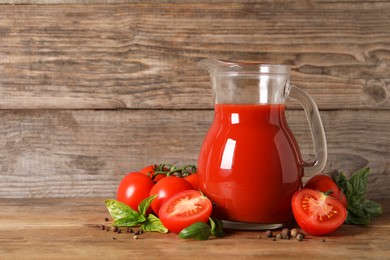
<point>216,227</point>
<point>340,179</point>
<point>126,222</point>
<point>359,182</point>
<point>153,223</point>
<point>198,231</point>
<point>145,204</point>
<point>119,210</point>
<point>361,211</point>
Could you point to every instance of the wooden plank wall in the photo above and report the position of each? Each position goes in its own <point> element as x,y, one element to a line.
<point>91,91</point>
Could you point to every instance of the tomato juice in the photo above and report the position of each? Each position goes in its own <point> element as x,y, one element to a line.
<point>249,164</point>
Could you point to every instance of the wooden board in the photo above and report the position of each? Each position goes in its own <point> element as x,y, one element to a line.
<point>55,153</point>
<point>70,229</point>
<point>145,55</point>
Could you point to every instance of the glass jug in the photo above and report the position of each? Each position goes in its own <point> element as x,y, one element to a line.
<point>250,164</point>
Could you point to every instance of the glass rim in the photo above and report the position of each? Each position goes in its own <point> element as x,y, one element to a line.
<point>229,67</point>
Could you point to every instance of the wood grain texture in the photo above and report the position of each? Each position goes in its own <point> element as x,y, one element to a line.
<point>92,90</point>
<point>69,229</point>
<point>54,153</point>
<point>144,55</point>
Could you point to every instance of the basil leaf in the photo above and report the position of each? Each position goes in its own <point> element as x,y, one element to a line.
<point>153,223</point>
<point>145,204</point>
<point>198,231</point>
<point>361,211</point>
<point>216,227</point>
<point>358,182</point>
<point>340,179</point>
<point>119,210</point>
<point>126,222</point>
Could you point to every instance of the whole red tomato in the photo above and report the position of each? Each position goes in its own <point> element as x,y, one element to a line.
<point>134,188</point>
<point>317,213</point>
<point>150,172</point>
<point>325,183</point>
<point>193,179</point>
<point>167,187</point>
<point>184,209</point>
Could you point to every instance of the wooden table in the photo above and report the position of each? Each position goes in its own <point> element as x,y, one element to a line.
<point>70,229</point>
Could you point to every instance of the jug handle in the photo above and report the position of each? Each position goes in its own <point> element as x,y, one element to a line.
<point>317,164</point>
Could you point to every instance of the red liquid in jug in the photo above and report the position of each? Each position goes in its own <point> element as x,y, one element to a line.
<point>250,164</point>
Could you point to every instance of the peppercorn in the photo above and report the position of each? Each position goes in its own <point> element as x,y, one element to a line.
<point>268,233</point>
<point>300,237</point>
<point>130,230</point>
<point>278,236</point>
<point>294,232</point>
<point>285,233</point>
<point>114,229</point>
<point>139,232</point>
<point>135,237</point>
<point>106,219</point>
<point>102,227</point>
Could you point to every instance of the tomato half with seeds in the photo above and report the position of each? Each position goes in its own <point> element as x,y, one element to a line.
<point>317,213</point>
<point>325,183</point>
<point>184,209</point>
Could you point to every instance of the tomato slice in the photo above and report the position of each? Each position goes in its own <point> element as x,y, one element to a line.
<point>184,209</point>
<point>317,213</point>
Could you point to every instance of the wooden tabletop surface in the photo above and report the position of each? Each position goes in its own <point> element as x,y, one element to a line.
<point>71,229</point>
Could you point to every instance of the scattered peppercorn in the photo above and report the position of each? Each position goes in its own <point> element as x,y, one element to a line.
<point>139,232</point>
<point>268,233</point>
<point>130,230</point>
<point>300,237</point>
<point>278,236</point>
<point>294,232</point>
<point>113,238</point>
<point>285,233</point>
<point>119,231</point>
<point>106,219</point>
<point>135,237</point>
<point>114,229</point>
<point>323,240</point>
<point>102,227</point>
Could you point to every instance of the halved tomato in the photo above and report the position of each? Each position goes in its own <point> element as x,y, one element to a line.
<point>317,213</point>
<point>184,209</point>
<point>325,183</point>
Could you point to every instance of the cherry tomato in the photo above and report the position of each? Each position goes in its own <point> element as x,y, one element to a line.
<point>184,209</point>
<point>150,171</point>
<point>325,183</point>
<point>133,188</point>
<point>193,179</point>
<point>167,187</point>
<point>317,213</point>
